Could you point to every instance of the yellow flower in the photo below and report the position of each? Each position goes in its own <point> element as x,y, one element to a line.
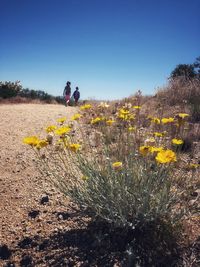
<point>63,130</point>
<point>96,120</point>
<point>61,120</point>
<point>117,165</point>
<point>131,117</point>
<point>144,150</point>
<point>124,111</point>
<point>137,107</point>
<point>193,166</point>
<point>76,117</point>
<point>31,140</point>
<point>50,128</point>
<point>166,156</point>
<point>86,106</point>
<point>84,178</point>
<point>157,134</point>
<point>131,129</point>
<point>177,141</point>
<point>183,115</point>
<point>154,149</point>
<point>155,120</point>
<point>125,114</point>
<point>110,122</point>
<point>167,120</point>
<point>74,147</point>
<point>42,143</point>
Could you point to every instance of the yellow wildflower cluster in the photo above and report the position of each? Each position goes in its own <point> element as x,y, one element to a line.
<point>61,120</point>
<point>166,156</point>
<point>74,147</point>
<point>119,154</point>
<point>125,115</point>
<point>117,165</point>
<point>177,141</point>
<point>155,120</point>
<point>51,128</point>
<point>63,130</point>
<point>76,117</point>
<point>86,106</point>
<point>156,142</point>
<point>167,120</point>
<point>34,141</point>
<point>110,122</point>
<point>96,120</point>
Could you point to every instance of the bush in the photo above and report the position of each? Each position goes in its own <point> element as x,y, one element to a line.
<point>185,93</point>
<point>18,94</point>
<point>111,164</point>
<point>9,89</point>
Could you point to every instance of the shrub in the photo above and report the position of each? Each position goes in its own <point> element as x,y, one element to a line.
<point>111,164</point>
<point>9,89</point>
<point>184,93</point>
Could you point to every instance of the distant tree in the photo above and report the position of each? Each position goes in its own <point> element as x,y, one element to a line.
<point>10,89</point>
<point>197,66</point>
<point>186,71</point>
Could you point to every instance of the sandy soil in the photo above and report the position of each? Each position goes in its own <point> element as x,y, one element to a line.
<point>21,186</point>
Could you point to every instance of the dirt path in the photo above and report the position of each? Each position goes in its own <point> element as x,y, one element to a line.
<point>38,225</point>
<point>21,186</point>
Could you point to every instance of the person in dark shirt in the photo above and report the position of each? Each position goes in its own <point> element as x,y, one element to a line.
<point>67,93</point>
<point>76,95</point>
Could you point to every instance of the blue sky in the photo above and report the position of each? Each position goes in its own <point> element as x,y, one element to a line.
<point>109,48</point>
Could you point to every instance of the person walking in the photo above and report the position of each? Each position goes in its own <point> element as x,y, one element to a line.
<point>76,95</point>
<point>67,93</point>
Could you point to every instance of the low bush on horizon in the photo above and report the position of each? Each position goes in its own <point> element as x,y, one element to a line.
<point>12,92</point>
<point>124,165</point>
<point>184,93</point>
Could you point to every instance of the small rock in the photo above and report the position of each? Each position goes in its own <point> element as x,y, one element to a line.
<point>26,261</point>
<point>60,217</point>
<point>33,213</point>
<point>25,243</point>
<point>63,215</point>
<point>10,264</point>
<point>39,219</point>
<point>5,252</point>
<point>195,193</point>
<point>191,202</point>
<point>44,199</point>
<point>44,244</point>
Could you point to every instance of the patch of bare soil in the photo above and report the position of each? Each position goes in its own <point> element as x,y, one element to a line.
<point>41,227</point>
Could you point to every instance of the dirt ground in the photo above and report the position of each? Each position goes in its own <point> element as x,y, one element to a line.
<point>22,189</point>
<point>41,227</point>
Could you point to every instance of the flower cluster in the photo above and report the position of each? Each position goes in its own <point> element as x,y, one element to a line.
<point>116,159</point>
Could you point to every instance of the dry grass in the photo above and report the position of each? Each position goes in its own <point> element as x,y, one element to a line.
<point>179,92</point>
<point>24,100</point>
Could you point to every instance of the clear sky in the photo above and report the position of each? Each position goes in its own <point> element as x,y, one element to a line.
<point>109,48</point>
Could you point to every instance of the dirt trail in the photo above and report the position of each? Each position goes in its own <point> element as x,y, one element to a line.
<point>21,185</point>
